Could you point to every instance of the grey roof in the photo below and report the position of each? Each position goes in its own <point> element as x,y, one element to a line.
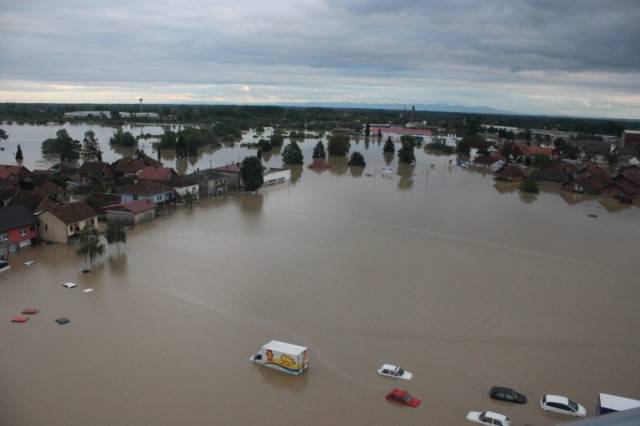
<point>621,418</point>
<point>15,217</point>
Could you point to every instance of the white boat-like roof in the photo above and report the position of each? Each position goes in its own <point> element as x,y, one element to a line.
<point>557,398</point>
<point>389,366</point>
<point>618,403</point>
<point>287,348</point>
<point>495,415</point>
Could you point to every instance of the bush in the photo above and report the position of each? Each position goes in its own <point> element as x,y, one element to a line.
<point>357,159</point>
<point>529,185</point>
<point>339,145</point>
<point>277,139</point>
<point>124,139</point>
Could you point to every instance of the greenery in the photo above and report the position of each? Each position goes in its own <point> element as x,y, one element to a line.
<point>265,145</point>
<point>19,156</point>
<point>123,139</point>
<point>408,139</point>
<point>277,139</point>
<point>338,145</point>
<point>318,151</point>
<point>3,134</point>
<point>468,142</point>
<point>406,154</point>
<point>189,199</point>
<point>566,149</point>
<point>367,130</point>
<point>90,147</point>
<point>251,173</point>
<point>540,160</point>
<point>389,146</point>
<point>62,144</point>
<point>291,154</point>
<point>90,245</point>
<point>357,159</point>
<point>529,185</point>
<point>115,233</point>
<point>439,146</point>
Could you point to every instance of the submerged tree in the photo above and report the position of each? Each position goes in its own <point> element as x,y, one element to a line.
<point>123,139</point>
<point>90,245</point>
<point>189,199</point>
<point>357,159</point>
<point>90,147</point>
<point>339,145</point>
<point>251,173</point>
<point>318,150</point>
<point>64,145</point>
<point>277,139</point>
<point>3,134</point>
<point>389,147</point>
<point>291,154</point>
<point>406,154</point>
<point>529,185</point>
<point>115,233</point>
<point>19,156</point>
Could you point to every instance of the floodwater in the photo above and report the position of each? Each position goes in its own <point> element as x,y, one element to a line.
<point>462,282</point>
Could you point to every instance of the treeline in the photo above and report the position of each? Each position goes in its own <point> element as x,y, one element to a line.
<point>235,119</point>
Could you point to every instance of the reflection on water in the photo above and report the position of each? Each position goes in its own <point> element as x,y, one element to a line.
<point>118,262</point>
<point>356,171</point>
<point>296,173</point>
<point>527,197</point>
<point>338,165</point>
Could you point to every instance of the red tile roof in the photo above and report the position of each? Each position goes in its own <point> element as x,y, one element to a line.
<point>155,173</point>
<point>138,206</point>
<point>229,168</point>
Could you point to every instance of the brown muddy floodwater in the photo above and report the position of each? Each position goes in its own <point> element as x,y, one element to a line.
<point>465,284</point>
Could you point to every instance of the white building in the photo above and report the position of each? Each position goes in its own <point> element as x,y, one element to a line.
<point>139,115</point>
<point>87,114</point>
<point>274,175</point>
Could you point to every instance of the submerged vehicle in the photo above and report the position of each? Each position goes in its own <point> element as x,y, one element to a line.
<point>390,370</point>
<point>488,418</point>
<point>562,405</point>
<point>507,394</point>
<point>286,357</point>
<point>403,397</point>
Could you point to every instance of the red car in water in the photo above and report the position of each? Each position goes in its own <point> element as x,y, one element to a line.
<point>403,397</point>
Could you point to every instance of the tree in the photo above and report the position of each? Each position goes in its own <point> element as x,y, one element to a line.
<point>379,133</point>
<point>318,151</point>
<point>265,145</point>
<point>291,154</point>
<point>529,185</point>
<point>277,139</point>
<point>408,139</point>
<point>251,173</point>
<point>540,160</point>
<point>90,245</point>
<point>3,134</point>
<point>67,147</point>
<point>182,149</point>
<point>123,139</point>
<point>406,154</point>
<point>115,233</point>
<point>19,156</point>
<point>367,130</point>
<point>90,147</point>
<point>468,142</point>
<point>357,159</point>
<point>389,147</point>
<point>339,145</point>
<point>189,199</point>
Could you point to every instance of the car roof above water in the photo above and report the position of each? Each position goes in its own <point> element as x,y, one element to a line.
<point>495,415</point>
<point>557,398</point>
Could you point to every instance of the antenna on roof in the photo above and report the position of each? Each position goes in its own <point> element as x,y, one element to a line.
<point>140,104</point>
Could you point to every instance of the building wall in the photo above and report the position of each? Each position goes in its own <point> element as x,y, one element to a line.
<point>154,198</point>
<point>212,188</point>
<point>233,180</point>
<point>193,189</point>
<point>279,176</point>
<point>130,218</point>
<point>53,229</point>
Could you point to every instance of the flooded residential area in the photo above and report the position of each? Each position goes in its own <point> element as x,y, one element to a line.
<point>465,281</point>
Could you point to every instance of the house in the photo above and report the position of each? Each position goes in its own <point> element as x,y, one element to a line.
<point>87,114</point>
<point>522,151</point>
<point>510,173</point>
<point>156,192</point>
<point>631,139</point>
<point>183,185</point>
<point>6,194</point>
<point>158,174</point>
<point>41,176</point>
<point>211,182</point>
<point>555,174</point>
<point>52,190</point>
<point>18,228</point>
<point>271,175</point>
<point>597,152</point>
<point>132,213</point>
<point>492,162</point>
<point>130,166</point>
<point>592,185</point>
<point>63,224</point>
<point>92,169</point>
<point>231,172</point>
<point>35,201</point>
<point>13,172</point>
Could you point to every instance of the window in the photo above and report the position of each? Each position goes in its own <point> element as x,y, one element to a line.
<point>23,232</point>
<point>4,237</point>
<point>46,227</point>
<point>70,228</point>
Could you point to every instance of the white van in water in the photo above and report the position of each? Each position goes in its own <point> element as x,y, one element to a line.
<point>291,359</point>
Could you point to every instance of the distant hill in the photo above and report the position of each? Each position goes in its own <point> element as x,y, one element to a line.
<point>419,107</point>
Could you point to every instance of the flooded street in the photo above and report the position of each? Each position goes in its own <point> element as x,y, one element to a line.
<point>463,283</point>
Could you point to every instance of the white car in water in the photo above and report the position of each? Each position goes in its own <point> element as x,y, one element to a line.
<point>394,371</point>
<point>488,418</point>
<point>562,405</point>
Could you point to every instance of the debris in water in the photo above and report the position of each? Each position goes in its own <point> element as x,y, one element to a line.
<point>29,311</point>
<point>86,271</point>
<point>20,319</point>
<point>29,263</point>
<point>69,285</point>
<point>87,290</point>
<point>593,215</point>
<point>63,321</point>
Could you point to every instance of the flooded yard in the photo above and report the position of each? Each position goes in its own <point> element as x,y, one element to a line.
<point>463,282</point>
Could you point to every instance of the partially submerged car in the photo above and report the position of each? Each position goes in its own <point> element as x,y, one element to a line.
<point>562,405</point>
<point>507,394</point>
<point>488,418</point>
<point>403,397</point>
<point>390,370</point>
<point>69,285</point>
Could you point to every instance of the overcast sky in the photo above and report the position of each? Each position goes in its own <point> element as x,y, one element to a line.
<point>548,56</point>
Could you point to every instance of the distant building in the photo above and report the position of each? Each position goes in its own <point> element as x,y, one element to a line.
<point>271,176</point>
<point>274,175</point>
<point>87,114</point>
<point>631,138</point>
<point>156,192</point>
<point>212,183</point>
<point>139,115</point>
